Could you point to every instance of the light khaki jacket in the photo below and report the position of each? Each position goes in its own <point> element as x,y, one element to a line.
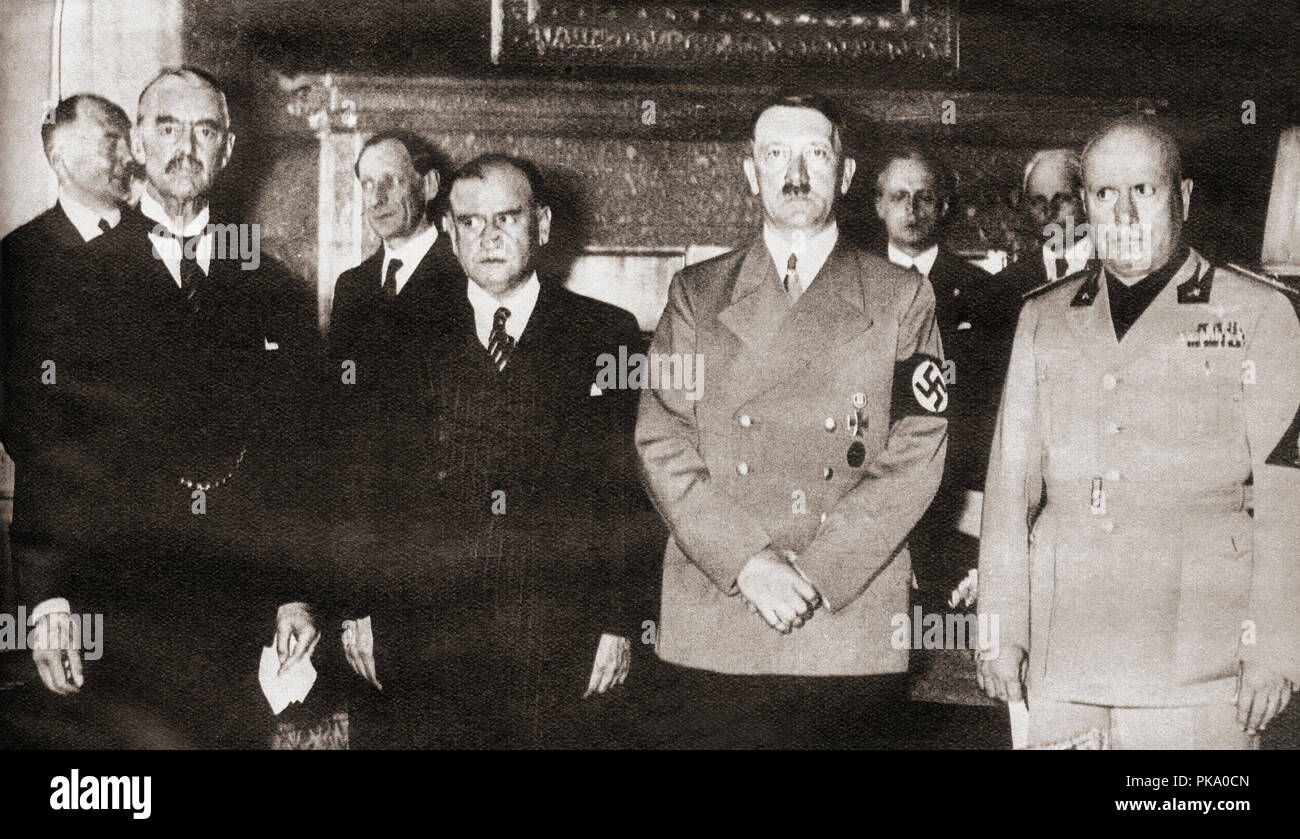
<point>761,458</point>
<point>1145,579</point>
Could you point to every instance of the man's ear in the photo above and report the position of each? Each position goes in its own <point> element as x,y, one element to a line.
<point>1186,189</point>
<point>137,145</point>
<point>229,150</point>
<point>751,175</point>
<point>846,177</point>
<point>431,184</point>
<point>543,224</point>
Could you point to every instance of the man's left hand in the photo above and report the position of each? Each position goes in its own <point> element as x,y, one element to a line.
<point>613,660</point>
<point>1261,696</point>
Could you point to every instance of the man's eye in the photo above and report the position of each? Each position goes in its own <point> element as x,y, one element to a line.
<point>507,219</point>
<point>776,153</point>
<point>471,224</point>
<point>1146,190</point>
<point>820,154</point>
<point>167,130</point>
<point>206,133</point>
<point>1105,193</point>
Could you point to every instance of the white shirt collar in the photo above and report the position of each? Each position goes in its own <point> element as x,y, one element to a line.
<point>154,211</point>
<point>520,301</point>
<point>810,252</point>
<point>85,219</point>
<point>410,253</point>
<point>1076,257</point>
<point>923,261</point>
<point>167,247</point>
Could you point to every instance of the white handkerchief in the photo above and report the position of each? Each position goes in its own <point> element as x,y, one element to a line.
<point>595,391</point>
<point>963,325</point>
<point>291,686</point>
<point>1019,724</point>
<point>270,345</point>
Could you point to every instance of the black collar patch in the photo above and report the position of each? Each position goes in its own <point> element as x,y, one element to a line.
<point>1197,289</point>
<point>1087,293</point>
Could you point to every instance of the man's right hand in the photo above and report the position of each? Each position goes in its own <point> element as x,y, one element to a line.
<point>57,654</point>
<point>1003,677</point>
<point>295,635</point>
<point>774,589</point>
<point>359,648</point>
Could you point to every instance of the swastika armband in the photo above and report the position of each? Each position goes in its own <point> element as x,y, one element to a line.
<point>919,388</point>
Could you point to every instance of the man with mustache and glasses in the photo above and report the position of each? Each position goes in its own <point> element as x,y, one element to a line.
<point>86,140</point>
<point>791,484</point>
<point>1142,506</point>
<point>153,490</point>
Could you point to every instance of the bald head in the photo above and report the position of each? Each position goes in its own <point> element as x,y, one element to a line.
<point>1136,196</point>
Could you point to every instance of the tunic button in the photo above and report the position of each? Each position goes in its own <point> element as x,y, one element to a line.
<point>830,423</point>
<point>827,473</point>
<point>823,518</point>
<point>742,468</point>
<point>1107,526</point>
<point>1112,428</point>
<point>745,421</point>
<point>442,474</point>
<point>1112,475</point>
<point>1108,381</point>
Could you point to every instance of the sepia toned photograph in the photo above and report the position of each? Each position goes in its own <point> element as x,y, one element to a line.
<point>525,375</point>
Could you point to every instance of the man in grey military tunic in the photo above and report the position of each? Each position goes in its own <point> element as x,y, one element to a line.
<point>791,478</point>
<point>1151,602</point>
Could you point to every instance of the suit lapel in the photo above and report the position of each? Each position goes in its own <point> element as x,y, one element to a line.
<point>780,340</point>
<point>62,231</point>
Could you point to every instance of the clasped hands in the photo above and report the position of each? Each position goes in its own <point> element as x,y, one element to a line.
<point>774,588</point>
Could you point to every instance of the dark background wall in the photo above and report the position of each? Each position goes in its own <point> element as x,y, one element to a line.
<point>1200,60</point>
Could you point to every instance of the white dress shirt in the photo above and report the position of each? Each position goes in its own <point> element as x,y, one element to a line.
<point>520,300</point>
<point>922,262</point>
<point>810,252</point>
<point>85,219</point>
<point>168,248</point>
<point>410,253</point>
<point>1076,258</point>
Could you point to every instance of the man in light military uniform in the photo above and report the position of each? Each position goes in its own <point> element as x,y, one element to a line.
<point>1152,602</point>
<point>791,482</point>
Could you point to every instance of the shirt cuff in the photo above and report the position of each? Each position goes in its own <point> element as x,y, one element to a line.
<point>53,606</point>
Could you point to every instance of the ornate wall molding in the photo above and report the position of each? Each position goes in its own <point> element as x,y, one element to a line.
<point>662,35</point>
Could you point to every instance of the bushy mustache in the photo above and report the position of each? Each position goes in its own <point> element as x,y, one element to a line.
<point>186,158</point>
<point>791,188</point>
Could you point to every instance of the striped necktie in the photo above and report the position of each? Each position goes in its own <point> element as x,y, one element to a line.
<point>500,343</point>
<point>390,278</point>
<point>792,284</point>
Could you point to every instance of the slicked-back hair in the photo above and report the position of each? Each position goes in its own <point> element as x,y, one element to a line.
<point>424,155</point>
<point>189,74</point>
<point>65,113</point>
<point>1069,156</point>
<point>479,167</point>
<point>812,101</point>
<point>923,154</point>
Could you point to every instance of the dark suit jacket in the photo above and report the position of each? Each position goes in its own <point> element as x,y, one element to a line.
<point>507,603</point>
<point>151,390</point>
<point>1025,274</point>
<point>976,313</point>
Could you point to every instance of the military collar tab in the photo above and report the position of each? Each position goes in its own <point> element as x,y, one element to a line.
<point>1092,265</point>
<point>1087,293</point>
<point>1197,289</point>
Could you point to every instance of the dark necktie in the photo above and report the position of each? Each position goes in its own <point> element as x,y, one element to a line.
<point>792,284</point>
<point>500,344</point>
<point>191,274</point>
<point>104,226</point>
<point>390,278</point>
<point>1062,267</point>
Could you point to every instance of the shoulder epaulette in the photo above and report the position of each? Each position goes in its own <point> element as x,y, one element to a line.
<point>1290,291</point>
<point>1048,286</point>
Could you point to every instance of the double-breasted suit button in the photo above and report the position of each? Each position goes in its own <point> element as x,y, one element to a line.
<point>745,421</point>
<point>830,423</point>
<point>742,467</point>
<point>442,474</point>
<point>1112,475</point>
<point>1109,381</point>
<point>1112,428</point>
<point>1107,526</point>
